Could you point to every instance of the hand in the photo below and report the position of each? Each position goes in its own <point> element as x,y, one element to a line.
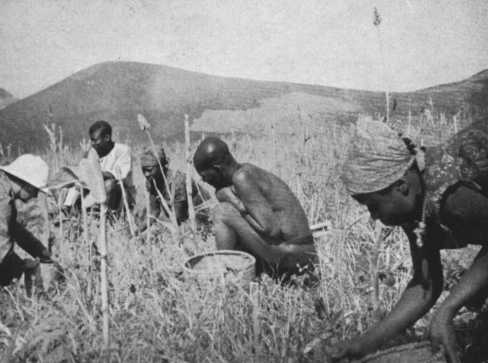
<point>45,256</point>
<point>85,146</point>
<point>227,195</point>
<point>442,336</point>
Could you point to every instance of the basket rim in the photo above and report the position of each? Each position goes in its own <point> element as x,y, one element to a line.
<point>251,258</point>
<point>396,349</point>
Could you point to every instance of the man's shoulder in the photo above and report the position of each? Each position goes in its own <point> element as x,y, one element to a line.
<point>120,148</point>
<point>246,173</point>
<point>250,170</point>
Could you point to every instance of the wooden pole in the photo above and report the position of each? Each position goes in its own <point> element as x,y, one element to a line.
<point>148,216</point>
<point>86,242</point>
<point>127,209</point>
<point>191,208</point>
<point>103,274</point>
<point>97,189</point>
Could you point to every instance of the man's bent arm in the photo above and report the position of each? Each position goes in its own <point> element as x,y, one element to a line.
<point>29,243</point>
<point>228,195</point>
<point>256,205</point>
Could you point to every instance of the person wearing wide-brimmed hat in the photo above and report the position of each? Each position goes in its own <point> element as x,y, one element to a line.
<point>20,180</point>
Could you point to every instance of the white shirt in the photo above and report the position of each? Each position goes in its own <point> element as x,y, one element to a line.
<point>118,162</point>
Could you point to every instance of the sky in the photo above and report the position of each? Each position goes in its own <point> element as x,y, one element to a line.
<point>419,43</point>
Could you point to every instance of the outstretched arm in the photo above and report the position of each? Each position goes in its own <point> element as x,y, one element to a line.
<point>466,212</point>
<point>419,296</point>
<point>29,243</point>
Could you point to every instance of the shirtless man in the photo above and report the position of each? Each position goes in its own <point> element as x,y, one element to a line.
<point>257,213</point>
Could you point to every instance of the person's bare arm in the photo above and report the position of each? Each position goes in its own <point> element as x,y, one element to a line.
<point>256,205</point>
<point>5,215</point>
<point>417,299</point>
<point>29,243</point>
<point>108,175</point>
<point>466,210</point>
<point>228,195</point>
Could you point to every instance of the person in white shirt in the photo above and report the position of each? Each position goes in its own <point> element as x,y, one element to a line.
<point>116,165</point>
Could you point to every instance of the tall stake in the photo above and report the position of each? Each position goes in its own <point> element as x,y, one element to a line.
<point>148,216</point>
<point>376,22</point>
<point>86,241</point>
<point>97,189</point>
<point>132,228</point>
<point>191,208</point>
<point>103,273</point>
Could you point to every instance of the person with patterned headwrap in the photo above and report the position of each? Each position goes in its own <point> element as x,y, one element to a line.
<point>439,196</point>
<point>157,188</point>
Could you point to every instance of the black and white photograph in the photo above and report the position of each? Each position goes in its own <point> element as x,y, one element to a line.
<point>244,181</point>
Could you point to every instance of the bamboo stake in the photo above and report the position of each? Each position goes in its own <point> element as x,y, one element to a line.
<point>148,216</point>
<point>86,241</point>
<point>97,189</point>
<point>126,206</point>
<point>103,274</point>
<point>60,217</point>
<point>191,208</point>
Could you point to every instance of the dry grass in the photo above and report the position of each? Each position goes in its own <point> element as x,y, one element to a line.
<point>158,315</point>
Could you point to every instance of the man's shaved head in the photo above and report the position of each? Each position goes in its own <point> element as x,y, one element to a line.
<point>211,151</point>
<point>214,162</point>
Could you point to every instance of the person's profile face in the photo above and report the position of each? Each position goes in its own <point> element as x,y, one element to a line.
<point>27,192</point>
<point>212,176</point>
<point>391,207</point>
<point>100,142</point>
<point>151,172</point>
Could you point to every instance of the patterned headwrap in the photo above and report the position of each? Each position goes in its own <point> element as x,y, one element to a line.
<point>149,159</point>
<point>378,157</point>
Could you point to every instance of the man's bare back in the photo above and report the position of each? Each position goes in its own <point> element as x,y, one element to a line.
<point>290,221</point>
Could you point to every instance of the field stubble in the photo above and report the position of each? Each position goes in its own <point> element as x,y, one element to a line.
<point>158,315</point>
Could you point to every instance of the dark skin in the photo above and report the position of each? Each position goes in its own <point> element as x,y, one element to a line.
<point>257,212</point>
<point>102,142</point>
<point>465,212</point>
<point>25,192</point>
<point>154,175</point>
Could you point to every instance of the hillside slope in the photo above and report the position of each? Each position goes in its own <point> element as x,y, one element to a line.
<point>6,98</point>
<point>118,91</point>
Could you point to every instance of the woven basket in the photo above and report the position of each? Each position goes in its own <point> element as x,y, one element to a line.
<point>222,266</point>
<point>407,353</point>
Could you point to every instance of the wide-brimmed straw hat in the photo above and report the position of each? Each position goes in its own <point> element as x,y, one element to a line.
<point>29,168</point>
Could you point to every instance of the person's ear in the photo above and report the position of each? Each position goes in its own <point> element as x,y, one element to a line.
<point>403,187</point>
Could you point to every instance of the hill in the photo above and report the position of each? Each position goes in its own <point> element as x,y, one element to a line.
<point>118,91</point>
<point>6,98</point>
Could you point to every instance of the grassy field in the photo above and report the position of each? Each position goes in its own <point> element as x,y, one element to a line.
<point>157,314</point>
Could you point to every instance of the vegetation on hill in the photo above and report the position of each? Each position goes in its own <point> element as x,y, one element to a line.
<point>6,98</point>
<point>118,91</point>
